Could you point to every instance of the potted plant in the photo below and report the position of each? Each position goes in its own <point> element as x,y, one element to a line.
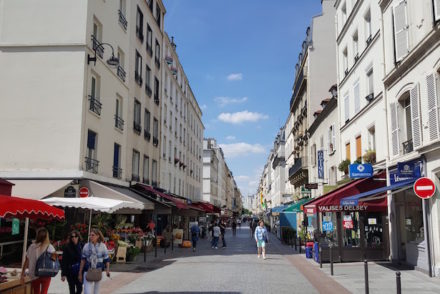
<point>370,156</point>
<point>358,160</point>
<point>132,251</point>
<point>343,166</point>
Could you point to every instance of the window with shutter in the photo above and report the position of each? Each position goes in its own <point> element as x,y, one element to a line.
<point>415,117</point>
<point>432,107</point>
<point>394,130</point>
<point>357,102</point>
<point>347,108</point>
<point>437,10</point>
<point>400,30</point>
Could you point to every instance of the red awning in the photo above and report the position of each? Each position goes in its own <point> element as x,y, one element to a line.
<point>207,207</point>
<point>11,206</point>
<point>180,204</point>
<point>330,202</point>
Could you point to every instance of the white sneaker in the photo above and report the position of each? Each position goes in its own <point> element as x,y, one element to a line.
<point>216,247</point>
<point>264,257</point>
<point>258,256</point>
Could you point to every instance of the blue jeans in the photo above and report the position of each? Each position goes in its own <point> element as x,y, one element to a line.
<point>215,241</point>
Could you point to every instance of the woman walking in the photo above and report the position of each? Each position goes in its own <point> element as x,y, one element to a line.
<point>71,262</point>
<point>42,243</point>
<point>261,238</point>
<point>94,260</point>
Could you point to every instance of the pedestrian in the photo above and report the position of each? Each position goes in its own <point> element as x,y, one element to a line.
<point>95,259</point>
<point>40,285</point>
<point>195,231</point>
<point>216,234</point>
<point>234,227</point>
<point>223,232</point>
<point>151,226</point>
<point>211,230</point>
<point>261,238</point>
<point>254,226</point>
<point>239,223</point>
<point>251,227</point>
<point>71,262</point>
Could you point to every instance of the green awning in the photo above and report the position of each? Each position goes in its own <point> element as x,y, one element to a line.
<point>296,207</point>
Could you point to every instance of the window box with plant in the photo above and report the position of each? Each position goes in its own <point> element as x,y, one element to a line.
<point>343,166</point>
<point>370,156</point>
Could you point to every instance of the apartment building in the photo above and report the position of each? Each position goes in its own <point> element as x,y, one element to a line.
<point>314,71</point>
<point>411,42</point>
<point>210,172</point>
<point>182,129</point>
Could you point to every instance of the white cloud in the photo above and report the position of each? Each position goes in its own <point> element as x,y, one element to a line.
<point>224,101</point>
<point>242,116</point>
<point>242,178</point>
<point>241,149</point>
<point>235,77</point>
<point>203,107</point>
<point>230,138</point>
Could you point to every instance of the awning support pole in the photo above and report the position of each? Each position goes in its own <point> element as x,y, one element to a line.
<point>26,231</point>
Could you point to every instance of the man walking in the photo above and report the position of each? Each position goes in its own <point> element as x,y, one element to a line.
<point>216,235</point>
<point>223,231</point>
<point>261,238</point>
<point>195,231</point>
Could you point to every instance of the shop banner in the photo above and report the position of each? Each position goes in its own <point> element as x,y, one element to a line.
<point>178,236</point>
<point>15,226</point>
<point>406,171</point>
<point>348,222</point>
<point>320,164</point>
<point>358,171</point>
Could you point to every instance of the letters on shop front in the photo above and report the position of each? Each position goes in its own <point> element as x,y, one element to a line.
<point>329,208</point>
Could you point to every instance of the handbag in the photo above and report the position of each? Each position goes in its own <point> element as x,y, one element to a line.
<point>47,265</point>
<point>94,274</point>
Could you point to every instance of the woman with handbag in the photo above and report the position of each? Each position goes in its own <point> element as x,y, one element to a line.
<point>71,262</point>
<point>40,285</point>
<point>94,260</point>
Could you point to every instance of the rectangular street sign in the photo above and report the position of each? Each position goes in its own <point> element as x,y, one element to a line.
<point>320,164</point>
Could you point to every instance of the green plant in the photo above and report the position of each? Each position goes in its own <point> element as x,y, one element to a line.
<point>102,221</point>
<point>132,251</point>
<point>343,166</point>
<point>370,156</point>
<point>358,160</point>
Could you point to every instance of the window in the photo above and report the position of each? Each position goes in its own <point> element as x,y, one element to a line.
<point>170,148</point>
<point>135,166</point>
<point>95,104</point>
<point>351,228</point>
<point>138,69</point>
<point>164,147</point>
<point>156,90</point>
<point>367,19</point>
<point>356,93</point>
<point>157,54</point>
<point>400,20</point>
<point>347,107</point>
<point>149,41</point>
<point>372,138</point>
<point>436,10</point>
<point>370,82</point>
<point>147,119</point>
<point>140,25</point>
<point>90,160</point>
<point>331,139</point>
<point>122,18</point>
<point>137,117</point>
<point>158,14</point>
<point>150,5</point>
<point>146,170</point>
<point>355,46</point>
<point>148,90</point>
<point>155,132</point>
<point>119,122</point>
<point>405,121</point>
<point>313,155</point>
<point>97,38</point>
<point>117,171</point>
<point>120,69</point>
<point>345,60</point>
<point>154,173</point>
<point>344,13</point>
<point>358,147</point>
<point>347,151</point>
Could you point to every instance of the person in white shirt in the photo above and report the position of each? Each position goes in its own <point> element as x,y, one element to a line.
<point>216,234</point>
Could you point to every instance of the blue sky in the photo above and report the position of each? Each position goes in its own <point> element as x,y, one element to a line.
<point>239,57</point>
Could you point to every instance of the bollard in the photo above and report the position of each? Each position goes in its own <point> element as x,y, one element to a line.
<point>155,247</point>
<point>296,248</point>
<point>367,287</point>
<point>145,249</point>
<point>331,260</point>
<point>320,256</point>
<point>172,243</point>
<point>398,284</point>
<point>299,245</point>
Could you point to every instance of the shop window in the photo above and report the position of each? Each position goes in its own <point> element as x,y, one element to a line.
<point>329,220</point>
<point>373,230</point>
<point>351,229</point>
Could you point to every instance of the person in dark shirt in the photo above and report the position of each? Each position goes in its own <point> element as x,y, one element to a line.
<point>222,226</point>
<point>71,261</point>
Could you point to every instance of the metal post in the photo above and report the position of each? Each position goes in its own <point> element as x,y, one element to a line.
<point>299,245</point>
<point>145,249</point>
<point>296,248</point>
<point>155,247</point>
<point>367,287</point>
<point>331,260</point>
<point>320,256</point>
<point>398,284</point>
<point>172,242</point>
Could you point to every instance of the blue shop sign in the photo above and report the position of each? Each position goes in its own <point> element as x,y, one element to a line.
<point>358,171</point>
<point>410,170</point>
<point>327,226</point>
<point>320,164</point>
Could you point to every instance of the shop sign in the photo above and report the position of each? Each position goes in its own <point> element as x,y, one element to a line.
<point>327,226</point>
<point>348,222</point>
<point>332,208</point>
<point>310,210</point>
<point>372,221</point>
<point>405,171</point>
<point>320,164</point>
<point>311,186</point>
<point>15,226</point>
<point>70,192</point>
<point>424,188</point>
<point>358,171</point>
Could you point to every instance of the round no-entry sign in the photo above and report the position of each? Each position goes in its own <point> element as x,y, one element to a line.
<point>424,188</point>
<point>84,192</point>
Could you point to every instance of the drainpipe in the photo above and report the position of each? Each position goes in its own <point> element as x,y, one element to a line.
<point>427,226</point>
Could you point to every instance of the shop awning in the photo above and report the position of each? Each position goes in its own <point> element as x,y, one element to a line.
<point>37,189</point>
<point>117,193</point>
<point>376,193</point>
<point>207,207</point>
<point>278,209</point>
<point>180,204</point>
<point>330,202</point>
<point>296,207</point>
<point>12,206</point>
<point>93,203</point>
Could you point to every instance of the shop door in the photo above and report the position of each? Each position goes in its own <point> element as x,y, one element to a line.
<point>401,232</point>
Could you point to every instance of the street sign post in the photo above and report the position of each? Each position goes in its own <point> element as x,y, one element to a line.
<point>424,188</point>
<point>84,192</point>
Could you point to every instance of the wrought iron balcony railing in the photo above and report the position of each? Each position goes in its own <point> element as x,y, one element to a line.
<point>119,122</point>
<point>95,105</point>
<point>97,46</point>
<point>121,73</point>
<point>122,19</point>
<point>407,146</point>
<point>117,172</point>
<point>91,165</point>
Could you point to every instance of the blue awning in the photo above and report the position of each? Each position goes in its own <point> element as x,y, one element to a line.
<point>279,208</point>
<point>354,199</point>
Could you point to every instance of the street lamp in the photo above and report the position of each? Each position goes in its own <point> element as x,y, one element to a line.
<point>334,91</point>
<point>112,61</point>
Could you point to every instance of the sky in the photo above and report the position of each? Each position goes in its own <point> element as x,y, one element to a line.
<point>239,57</point>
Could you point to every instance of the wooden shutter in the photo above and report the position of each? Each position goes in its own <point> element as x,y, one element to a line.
<point>357,102</point>
<point>400,30</point>
<point>347,151</point>
<point>333,137</point>
<point>358,147</point>
<point>395,144</point>
<point>432,107</point>
<point>436,9</point>
<point>415,117</point>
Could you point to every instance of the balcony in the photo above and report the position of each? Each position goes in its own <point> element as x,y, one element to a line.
<point>156,99</point>
<point>407,146</point>
<point>149,50</point>
<point>122,19</point>
<point>97,46</point>
<point>121,73</point>
<point>169,59</point>
<point>298,86</point>
<point>157,62</point>
<point>137,127</point>
<point>117,172</point>
<point>155,141</point>
<point>91,165</point>
<point>147,135</point>
<point>95,105</point>
<point>119,122</point>
<point>138,78</point>
<point>140,34</point>
<point>148,90</point>
<point>299,165</point>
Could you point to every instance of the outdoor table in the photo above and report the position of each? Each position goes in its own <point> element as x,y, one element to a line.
<point>14,286</point>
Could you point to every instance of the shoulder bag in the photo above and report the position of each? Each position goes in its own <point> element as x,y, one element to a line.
<point>47,265</point>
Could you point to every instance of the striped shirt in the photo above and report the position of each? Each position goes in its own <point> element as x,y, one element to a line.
<point>95,255</point>
<point>260,234</point>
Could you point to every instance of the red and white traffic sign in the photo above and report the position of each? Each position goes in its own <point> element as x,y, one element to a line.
<point>84,192</point>
<point>424,188</point>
